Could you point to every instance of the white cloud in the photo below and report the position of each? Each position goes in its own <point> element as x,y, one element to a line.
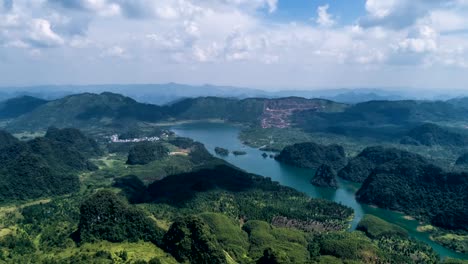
<point>324,18</point>
<point>115,51</point>
<point>423,40</point>
<point>41,34</point>
<point>204,39</point>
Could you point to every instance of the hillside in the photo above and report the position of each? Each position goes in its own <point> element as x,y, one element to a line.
<point>312,155</point>
<point>432,135</point>
<point>361,166</point>
<point>7,139</point>
<point>18,106</point>
<point>113,110</point>
<point>40,167</point>
<point>379,119</point>
<point>420,189</point>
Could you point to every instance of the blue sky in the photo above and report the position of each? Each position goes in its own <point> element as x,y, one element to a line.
<point>270,44</point>
<point>347,11</point>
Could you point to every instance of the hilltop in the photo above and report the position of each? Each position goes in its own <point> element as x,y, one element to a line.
<point>18,106</point>
<point>86,110</point>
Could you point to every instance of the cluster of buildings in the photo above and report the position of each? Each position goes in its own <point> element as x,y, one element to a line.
<point>116,139</point>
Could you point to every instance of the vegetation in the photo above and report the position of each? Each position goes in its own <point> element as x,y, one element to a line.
<point>75,139</point>
<point>361,166</point>
<point>431,135</point>
<point>223,189</point>
<point>420,189</point>
<point>190,239</point>
<point>18,106</point>
<point>7,139</point>
<point>239,153</point>
<point>145,153</point>
<point>312,155</point>
<point>221,151</point>
<point>384,120</point>
<point>377,228</point>
<point>105,216</point>
<point>40,167</point>
<point>325,176</point>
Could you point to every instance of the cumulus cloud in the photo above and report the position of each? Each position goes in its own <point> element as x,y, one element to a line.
<point>41,34</point>
<point>324,18</point>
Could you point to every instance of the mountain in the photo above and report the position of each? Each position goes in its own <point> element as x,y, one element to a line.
<point>148,93</point>
<point>86,110</point>
<point>420,189</point>
<point>114,110</point>
<point>15,107</point>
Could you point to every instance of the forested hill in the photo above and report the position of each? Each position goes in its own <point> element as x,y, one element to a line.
<point>86,110</point>
<point>18,106</point>
<point>416,187</point>
<point>41,167</point>
<point>383,119</point>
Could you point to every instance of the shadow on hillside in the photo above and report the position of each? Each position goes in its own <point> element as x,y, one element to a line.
<point>177,189</point>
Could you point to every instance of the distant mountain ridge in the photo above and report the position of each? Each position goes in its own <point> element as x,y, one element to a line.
<point>171,92</point>
<point>114,110</point>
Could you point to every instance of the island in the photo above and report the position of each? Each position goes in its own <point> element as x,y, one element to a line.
<point>239,153</point>
<point>221,151</point>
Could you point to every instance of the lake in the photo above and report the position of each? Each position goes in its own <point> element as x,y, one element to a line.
<point>226,136</point>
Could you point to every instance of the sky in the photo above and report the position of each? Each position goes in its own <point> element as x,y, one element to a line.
<point>270,44</point>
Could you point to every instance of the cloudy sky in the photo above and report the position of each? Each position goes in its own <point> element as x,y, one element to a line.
<point>253,43</point>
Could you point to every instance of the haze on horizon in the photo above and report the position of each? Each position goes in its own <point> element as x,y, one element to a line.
<point>268,44</point>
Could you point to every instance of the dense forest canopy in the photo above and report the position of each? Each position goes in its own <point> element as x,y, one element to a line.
<point>41,167</point>
<point>312,155</point>
<point>421,189</point>
<point>360,167</point>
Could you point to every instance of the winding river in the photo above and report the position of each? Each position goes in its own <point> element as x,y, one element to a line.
<point>226,136</point>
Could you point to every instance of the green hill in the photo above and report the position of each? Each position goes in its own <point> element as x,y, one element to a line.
<point>379,119</point>
<point>18,106</point>
<point>420,189</point>
<point>312,155</point>
<point>86,110</point>
<point>432,135</point>
<point>40,167</point>
<point>74,139</point>
<point>361,166</point>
